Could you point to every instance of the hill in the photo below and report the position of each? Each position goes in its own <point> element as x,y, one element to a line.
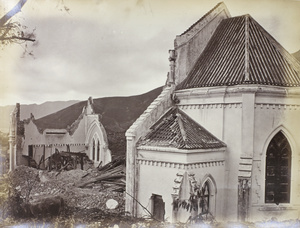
<point>37,110</point>
<point>297,55</point>
<point>117,115</point>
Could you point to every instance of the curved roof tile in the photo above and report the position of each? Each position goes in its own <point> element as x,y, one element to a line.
<point>242,52</point>
<point>177,130</point>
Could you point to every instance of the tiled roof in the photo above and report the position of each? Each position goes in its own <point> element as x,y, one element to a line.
<point>176,129</point>
<point>242,52</point>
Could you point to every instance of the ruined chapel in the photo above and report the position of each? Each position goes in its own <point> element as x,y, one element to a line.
<point>75,129</point>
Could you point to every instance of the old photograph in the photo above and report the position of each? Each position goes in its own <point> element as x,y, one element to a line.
<point>148,113</point>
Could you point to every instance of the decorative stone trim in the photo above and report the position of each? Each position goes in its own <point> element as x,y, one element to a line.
<point>261,90</point>
<point>59,145</point>
<point>277,106</point>
<point>256,181</point>
<point>210,106</point>
<point>239,105</point>
<point>177,184</point>
<point>181,151</point>
<point>244,186</point>
<point>245,167</point>
<point>178,165</point>
<point>192,180</point>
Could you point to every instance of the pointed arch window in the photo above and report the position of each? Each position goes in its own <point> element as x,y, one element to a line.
<point>93,149</point>
<point>278,170</point>
<point>204,202</point>
<point>98,151</point>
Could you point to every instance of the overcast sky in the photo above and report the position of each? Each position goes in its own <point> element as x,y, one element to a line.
<point>103,48</point>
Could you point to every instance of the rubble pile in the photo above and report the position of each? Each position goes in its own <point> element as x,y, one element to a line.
<point>80,189</point>
<point>111,176</point>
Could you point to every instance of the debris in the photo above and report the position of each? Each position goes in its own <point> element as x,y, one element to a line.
<point>111,176</point>
<point>66,160</point>
<point>111,204</point>
<point>100,185</point>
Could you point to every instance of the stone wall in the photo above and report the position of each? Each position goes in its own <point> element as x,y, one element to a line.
<point>153,182</point>
<point>278,113</point>
<point>137,130</point>
<point>246,118</point>
<point>191,43</point>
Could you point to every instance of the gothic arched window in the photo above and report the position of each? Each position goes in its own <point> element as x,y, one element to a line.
<point>278,170</point>
<point>98,151</point>
<point>94,149</point>
<point>204,202</point>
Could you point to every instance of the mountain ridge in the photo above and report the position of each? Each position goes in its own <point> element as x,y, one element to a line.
<point>116,114</point>
<point>297,55</point>
<point>38,110</point>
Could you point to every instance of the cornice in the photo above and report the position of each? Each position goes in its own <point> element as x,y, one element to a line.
<point>180,165</point>
<point>211,105</point>
<point>181,151</point>
<point>277,106</point>
<point>59,145</point>
<point>238,89</point>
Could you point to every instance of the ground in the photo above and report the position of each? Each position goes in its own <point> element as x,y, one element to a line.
<point>84,198</point>
<point>85,194</point>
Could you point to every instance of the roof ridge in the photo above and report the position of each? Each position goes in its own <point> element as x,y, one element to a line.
<point>200,126</point>
<point>176,129</point>
<point>181,126</point>
<point>247,36</point>
<point>289,57</point>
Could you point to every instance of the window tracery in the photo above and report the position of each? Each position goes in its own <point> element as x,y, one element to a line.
<point>278,170</point>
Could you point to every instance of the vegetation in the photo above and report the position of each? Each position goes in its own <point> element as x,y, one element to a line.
<point>12,31</point>
<point>4,139</point>
<point>197,205</point>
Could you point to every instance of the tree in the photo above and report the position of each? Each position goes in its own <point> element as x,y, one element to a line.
<point>12,31</point>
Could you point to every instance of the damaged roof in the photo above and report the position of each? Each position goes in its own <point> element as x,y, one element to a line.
<point>176,129</point>
<point>241,52</point>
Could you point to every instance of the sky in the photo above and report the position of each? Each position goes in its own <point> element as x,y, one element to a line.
<point>104,48</point>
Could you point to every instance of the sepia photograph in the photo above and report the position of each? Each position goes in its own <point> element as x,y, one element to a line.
<point>148,113</point>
